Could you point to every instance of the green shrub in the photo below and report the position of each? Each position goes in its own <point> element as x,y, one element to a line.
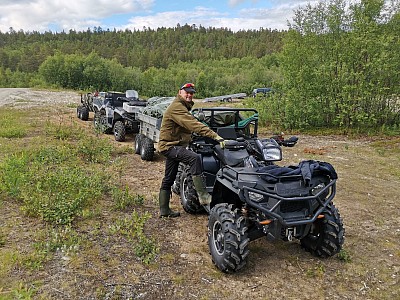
<point>62,131</point>
<point>48,187</point>
<point>94,150</point>
<point>344,256</point>
<point>59,195</point>
<point>122,199</point>
<point>14,176</point>
<point>133,228</point>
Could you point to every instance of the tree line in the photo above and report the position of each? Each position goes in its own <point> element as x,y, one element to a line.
<point>336,66</point>
<point>26,51</point>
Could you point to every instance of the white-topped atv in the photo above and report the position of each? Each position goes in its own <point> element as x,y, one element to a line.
<point>117,112</point>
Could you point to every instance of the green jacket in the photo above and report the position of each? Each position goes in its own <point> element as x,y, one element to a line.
<point>178,124</point>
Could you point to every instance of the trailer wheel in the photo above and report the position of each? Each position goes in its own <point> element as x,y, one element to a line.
<point>135,127</point>
<point>147,149</point>
<point>119,131</point>
<point>138,143</point>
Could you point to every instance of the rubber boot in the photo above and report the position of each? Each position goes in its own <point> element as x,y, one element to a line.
<point>165,211</point>
<point>204,196</point>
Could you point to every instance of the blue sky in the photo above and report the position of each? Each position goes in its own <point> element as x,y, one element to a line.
<point>45,15</point>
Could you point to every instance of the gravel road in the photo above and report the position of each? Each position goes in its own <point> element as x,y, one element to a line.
<point>26,97</point>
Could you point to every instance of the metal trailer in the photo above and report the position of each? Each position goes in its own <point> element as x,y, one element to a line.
<point>86,106</point>
<point>149,133</point>
<point>225,98</point>
<point>149,127</point>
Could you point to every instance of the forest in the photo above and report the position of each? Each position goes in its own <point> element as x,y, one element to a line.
<point>335,67</point>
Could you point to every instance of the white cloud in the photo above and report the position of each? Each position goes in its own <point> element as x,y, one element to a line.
<point>57,15</point>
<point>235,2</point>
<point>248,19</point>
<point>199,16</point>
<point>38,15</point>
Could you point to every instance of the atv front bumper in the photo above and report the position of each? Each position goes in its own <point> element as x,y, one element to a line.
<point>289,201</point>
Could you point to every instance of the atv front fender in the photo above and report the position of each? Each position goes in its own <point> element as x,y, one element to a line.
<point>225,193</point>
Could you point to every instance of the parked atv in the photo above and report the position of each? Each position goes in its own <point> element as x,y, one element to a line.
<point>116,112</point>
<point>231,123</point>
<point>252,197</point>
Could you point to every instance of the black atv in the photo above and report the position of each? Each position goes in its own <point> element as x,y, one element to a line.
<point>230,123</point>
<point>252,197</point>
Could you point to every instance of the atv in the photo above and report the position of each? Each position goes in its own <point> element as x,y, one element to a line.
<point>230,123</point>
<point>116,112</point>
<point>252,197</point>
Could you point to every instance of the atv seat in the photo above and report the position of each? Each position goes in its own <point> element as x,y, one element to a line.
<point>227,133</point>
<point>231,156</point>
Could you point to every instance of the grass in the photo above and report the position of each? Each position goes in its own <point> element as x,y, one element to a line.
<point>132,228</point>
<point>388,146</point>
<point>9,128</point>
<point>68,238</point>
<point>58,176</point>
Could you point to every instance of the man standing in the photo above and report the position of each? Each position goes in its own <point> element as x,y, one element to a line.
<point>175,134</point>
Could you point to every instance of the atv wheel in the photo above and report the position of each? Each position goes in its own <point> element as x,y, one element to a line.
<point>96,121</point>
<point>100,122</point>
<point>119,131</point>
<point>176,187</point>
<point>84,113</point>
<point>138,143</point>
<point>147,149</point>
<point>227,238</point>
<point>189,198</point>
<point>326,236</point>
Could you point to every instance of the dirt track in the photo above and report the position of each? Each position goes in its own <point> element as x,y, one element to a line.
<point>367,197</point>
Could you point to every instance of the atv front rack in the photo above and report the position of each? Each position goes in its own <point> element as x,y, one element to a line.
<point>244,182</point>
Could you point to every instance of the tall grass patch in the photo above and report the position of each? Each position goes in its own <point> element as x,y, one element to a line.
<point>12,124</point>
<point>51,183</point>
<point>65,177</point>
<point>132,227</point>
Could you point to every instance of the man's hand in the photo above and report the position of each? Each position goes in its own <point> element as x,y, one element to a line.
<point>221,141</point>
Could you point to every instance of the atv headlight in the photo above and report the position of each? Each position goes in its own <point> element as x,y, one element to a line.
<point>269,149</point>
<point>316,189</point>
<point>272,154</point>
<point>256,197</point>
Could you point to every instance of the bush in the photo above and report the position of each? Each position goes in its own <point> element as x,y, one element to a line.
<point>48,187</point>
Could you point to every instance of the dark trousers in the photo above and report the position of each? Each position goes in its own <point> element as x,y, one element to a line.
<point>174,156</point>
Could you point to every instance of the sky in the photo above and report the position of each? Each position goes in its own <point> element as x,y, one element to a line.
<point>79,15</point>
